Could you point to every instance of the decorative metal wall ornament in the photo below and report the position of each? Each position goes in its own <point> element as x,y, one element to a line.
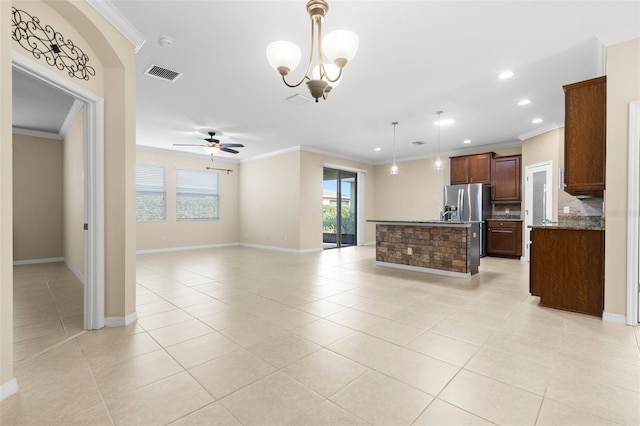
<point>45,41</point>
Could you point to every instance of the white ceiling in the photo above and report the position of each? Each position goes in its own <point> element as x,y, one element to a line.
<point>415,57</point>
<point>37,106</point>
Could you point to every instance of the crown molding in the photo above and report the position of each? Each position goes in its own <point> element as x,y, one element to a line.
<point>118,20</point>
<point>75,109</point>
<point>538,131</point>
<point>36,133</point>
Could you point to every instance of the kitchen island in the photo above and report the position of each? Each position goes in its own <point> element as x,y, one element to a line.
<point>437,247</point>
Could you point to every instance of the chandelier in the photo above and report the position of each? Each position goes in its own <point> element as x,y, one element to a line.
<point>338,47</point>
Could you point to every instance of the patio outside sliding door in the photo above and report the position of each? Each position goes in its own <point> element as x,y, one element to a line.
<point>339,208</point>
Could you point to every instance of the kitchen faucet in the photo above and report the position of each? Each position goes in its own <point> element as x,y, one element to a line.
<point>444,215</point>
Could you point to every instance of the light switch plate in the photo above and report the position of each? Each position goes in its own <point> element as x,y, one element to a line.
<point>567,209</point>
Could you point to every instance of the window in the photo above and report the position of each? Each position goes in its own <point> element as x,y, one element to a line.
<point>151,190</point>
<point>196,195</point>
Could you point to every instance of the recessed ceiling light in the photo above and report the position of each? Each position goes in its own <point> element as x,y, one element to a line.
<point>378,149</point>
<point>524,102</point>
<point>536,120</point>
<point>445,122</point>
<point>505,74</point>
<point>467,141</point>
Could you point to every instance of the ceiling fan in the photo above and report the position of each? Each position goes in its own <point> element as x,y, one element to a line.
<point>214,145</point>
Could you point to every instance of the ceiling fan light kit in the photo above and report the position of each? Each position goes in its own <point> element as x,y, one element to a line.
<point>338,47</point>
<point>213,145</point>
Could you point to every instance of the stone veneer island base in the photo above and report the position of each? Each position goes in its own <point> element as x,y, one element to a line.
<point>436,247</point>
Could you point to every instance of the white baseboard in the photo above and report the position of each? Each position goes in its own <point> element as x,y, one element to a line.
<point>74,270</point>
<point>616,318</point>
<point>120,321</point>
<point>8,388</point>
<point>370,243</point>
<point>167,249</point>
<point>35,261</point>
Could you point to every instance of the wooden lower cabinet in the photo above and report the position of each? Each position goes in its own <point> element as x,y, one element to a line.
<point>504,238</point>
<point>566,269</point>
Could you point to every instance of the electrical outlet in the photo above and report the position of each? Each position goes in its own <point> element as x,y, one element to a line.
<point>506,211</point>
<point>567,209</point>
<point>409,250</point>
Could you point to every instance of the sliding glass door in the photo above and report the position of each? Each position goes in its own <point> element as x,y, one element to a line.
<point>339,208</point>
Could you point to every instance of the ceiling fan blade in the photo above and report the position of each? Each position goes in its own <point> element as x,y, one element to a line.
<point>187,144</point>
<point>232,145</point>
<point>232,151</point>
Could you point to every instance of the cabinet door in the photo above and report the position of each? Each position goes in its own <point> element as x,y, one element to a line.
<point>501,239</point>
<point>567,269</point>
<point>585,136</point>
<point>459,170</point>
<point>480,168</point>
<point>505,176</point>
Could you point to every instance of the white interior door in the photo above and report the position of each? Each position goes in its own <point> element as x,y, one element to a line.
<point>538,204</point>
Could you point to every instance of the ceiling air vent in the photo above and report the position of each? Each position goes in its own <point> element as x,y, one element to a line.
<point>162,73</point>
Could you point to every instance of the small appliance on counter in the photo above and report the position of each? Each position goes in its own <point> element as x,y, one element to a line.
<point>469,203</point>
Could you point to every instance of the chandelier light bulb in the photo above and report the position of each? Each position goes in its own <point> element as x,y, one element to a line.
<point>283,55</point>
<point>394,169</point>
<point>340,46</point>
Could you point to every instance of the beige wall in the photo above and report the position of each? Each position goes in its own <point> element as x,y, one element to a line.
<point>270,201</point>
<point>623,86</point>
<point>37,197</point>
<point>114,60</point>
<point>415,193</point>
<point>171,233</point>
<point>311,186</point>
<point>6,202</point>
<point>281,199</point>
<point>73,196</point>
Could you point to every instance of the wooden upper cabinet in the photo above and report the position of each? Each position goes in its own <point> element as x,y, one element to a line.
<point>471,168</point>
<point>585,137</point>
<point>459,170</point>
<point>506,179</point>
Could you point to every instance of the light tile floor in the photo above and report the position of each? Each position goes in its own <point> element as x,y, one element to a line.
<point>244,336</point>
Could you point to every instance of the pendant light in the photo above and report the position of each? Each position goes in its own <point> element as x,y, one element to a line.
<point>438,164</point>
<point>394,167</point>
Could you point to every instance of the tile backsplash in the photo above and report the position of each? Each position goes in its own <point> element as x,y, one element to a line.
<point>500,211</point>
<point>581,208</point>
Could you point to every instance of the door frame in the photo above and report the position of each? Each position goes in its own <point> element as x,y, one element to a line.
<point>360,198</point>
<point>528,200</point>
<point>633,216</point>
<point>93,135</point>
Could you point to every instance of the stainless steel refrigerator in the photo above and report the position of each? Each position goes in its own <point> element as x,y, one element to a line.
<point>469,203</point>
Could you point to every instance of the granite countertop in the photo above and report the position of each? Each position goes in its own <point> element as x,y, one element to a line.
<point>574,226</point>
<point>434,222</point>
